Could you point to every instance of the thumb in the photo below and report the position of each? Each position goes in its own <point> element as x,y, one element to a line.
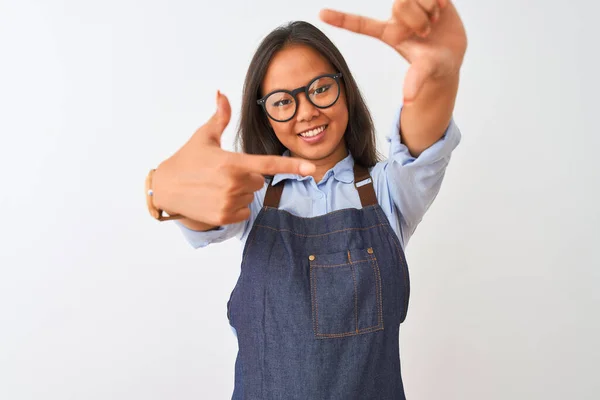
<point>419,71</point>
<point>223,111</point>
<point>220,119</point>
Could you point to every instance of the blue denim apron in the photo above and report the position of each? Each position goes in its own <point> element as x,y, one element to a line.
<point>318,304</point>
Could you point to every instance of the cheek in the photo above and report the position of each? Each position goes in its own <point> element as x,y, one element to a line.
<point>283,130</point>
<point>339,114</point>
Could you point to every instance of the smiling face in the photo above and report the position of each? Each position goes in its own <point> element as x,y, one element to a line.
<point>315,134</point>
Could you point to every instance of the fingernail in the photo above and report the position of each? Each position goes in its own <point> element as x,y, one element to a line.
<point>425,32</point>
<point>306,168</point>
<point>407,102</point>
<point>436,16</point>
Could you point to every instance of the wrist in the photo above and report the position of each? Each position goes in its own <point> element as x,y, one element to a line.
<point>155,199</point>
<point>160,189</point>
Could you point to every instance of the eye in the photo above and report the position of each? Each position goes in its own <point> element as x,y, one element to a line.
<point>322,89</point>
<point>281,103</point>
<point>280,100</point>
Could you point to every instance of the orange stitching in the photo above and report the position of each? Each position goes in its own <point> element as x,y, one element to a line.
<point>370,329</point>
<point>355,298</point>
<point>339,265</point>
<point>349,258</point>
<point>312,295</point>
<point>323,234</point>
<point>253,232</point>
<point>378,287</point>
<point>400,260</point>
<point>315,302</point>
<point>378,280</point>
<point>319,216</point>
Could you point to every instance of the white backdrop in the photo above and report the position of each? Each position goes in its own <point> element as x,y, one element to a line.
<point>99,301</point>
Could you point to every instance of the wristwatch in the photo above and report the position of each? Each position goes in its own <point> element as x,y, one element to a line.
<point>155,212</point>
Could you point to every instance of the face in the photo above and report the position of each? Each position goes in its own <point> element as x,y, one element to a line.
<point>294,67</point>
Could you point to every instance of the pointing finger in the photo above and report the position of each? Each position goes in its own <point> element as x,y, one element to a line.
<point>382,30</point>
<point>272,165</point>
<point>353,23</point>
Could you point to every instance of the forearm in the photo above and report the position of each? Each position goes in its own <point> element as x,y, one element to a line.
<point>424,120</point>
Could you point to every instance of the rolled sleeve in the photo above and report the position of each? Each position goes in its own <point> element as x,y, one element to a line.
<point>198,239</point>
<point>414,182</point>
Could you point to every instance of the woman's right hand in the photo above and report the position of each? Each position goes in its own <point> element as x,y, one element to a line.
<point>211,186</point>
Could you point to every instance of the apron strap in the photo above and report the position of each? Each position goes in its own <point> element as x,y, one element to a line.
<point>362,182</point>
<point>273,194</point>
<point>364,186</point>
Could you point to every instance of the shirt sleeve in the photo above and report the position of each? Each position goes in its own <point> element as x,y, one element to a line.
<point>198,239</point>
<point>414,182</point>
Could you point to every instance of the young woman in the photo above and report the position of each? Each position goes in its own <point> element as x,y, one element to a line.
<point>324,283</point>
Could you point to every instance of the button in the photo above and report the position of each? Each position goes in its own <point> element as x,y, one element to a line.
<point>370,250</point>
<point>311,257</point>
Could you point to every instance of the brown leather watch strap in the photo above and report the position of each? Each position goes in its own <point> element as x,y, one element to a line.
<point>154,211</point>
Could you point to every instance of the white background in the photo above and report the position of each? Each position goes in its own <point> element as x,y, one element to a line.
<point>99,301</point>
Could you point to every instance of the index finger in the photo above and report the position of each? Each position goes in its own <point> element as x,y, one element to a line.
<point>353,23</point>
<point>364,25</point>
<point>272,165</point>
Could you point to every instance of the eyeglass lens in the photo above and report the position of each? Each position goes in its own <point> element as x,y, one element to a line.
<point>322,92</point>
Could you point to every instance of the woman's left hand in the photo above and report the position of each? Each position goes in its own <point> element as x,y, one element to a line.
<point>429,34</point>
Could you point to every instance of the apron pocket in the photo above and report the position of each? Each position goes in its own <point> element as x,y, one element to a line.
<point>345,293</point>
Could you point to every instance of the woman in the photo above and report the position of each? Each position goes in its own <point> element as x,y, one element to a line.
<point>324,283</point>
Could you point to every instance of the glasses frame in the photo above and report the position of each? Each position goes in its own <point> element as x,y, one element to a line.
<point>294,93</point>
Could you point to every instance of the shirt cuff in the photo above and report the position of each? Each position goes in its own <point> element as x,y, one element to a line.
<point>440,149</point>
<point>198,239</point>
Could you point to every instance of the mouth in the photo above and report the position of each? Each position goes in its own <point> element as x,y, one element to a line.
<point>314,135</point>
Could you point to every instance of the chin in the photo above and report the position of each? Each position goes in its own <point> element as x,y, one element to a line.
<point>317,153</point>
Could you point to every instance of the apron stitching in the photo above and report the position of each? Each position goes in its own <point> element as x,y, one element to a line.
<point>370,329</point>
<point>402,261</point>
<point>318,216</point>
<point>317,235</point>
<point>375,267</point>
<point>339,265</point>
<point>355,295</point>
<point>314,300</point>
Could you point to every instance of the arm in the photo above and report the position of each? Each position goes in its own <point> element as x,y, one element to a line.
<point>431,37</point>
<point>203,182</point>
<point>412,183</point>
<point>426,119</point>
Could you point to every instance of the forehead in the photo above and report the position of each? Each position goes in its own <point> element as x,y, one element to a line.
<point>294,66</point>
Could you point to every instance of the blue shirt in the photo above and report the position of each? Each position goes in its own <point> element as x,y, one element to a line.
<point>405,187</point>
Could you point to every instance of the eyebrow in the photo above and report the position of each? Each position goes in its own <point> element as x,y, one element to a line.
<point>264,92</point>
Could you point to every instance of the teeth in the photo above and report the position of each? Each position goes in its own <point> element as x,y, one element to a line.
<point>313,132</point>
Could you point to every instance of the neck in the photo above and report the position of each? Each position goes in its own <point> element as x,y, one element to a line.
<point>325,164</point>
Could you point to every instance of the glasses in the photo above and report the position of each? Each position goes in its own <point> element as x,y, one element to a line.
<point>322,92</point>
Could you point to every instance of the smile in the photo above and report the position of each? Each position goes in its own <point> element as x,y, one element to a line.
<point>313,132</point>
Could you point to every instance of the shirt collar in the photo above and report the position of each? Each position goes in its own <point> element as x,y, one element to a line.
<point>343,171</point>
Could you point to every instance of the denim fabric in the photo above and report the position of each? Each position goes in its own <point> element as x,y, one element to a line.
<point>317,307</point>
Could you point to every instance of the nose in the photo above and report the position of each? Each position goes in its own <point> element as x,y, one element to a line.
<point>306,110</point>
